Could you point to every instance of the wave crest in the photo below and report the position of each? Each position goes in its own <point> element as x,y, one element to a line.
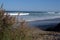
<point>21,14</point>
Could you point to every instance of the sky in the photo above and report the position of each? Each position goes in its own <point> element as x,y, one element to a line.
<point>31,5</point>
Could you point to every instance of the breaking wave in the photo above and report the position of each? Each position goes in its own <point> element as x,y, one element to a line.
<point>21,14</point>
<point>24,14</point>
<point>51,12</point>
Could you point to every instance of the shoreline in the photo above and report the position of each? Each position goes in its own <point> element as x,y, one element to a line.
<point>43,24</point>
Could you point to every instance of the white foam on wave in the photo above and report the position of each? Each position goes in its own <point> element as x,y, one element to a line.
<point>24,14</point>
<point>21,14</point>
<point>11,14</point>
<point>51,12</point>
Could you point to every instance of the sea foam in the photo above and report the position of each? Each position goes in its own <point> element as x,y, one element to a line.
<point>21,14</point>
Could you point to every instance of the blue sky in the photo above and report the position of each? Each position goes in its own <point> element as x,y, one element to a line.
<point>31,5</point>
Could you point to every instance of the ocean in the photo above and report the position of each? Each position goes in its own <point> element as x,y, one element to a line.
<point>39,19</point>
<point>35,15</point>
<point>32,16</point>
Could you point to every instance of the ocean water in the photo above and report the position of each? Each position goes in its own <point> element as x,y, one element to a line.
<point>38,16</point>
<point>39,19</point>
